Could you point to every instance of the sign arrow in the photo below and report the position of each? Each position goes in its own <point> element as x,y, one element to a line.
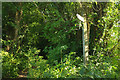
<point>80,17</point>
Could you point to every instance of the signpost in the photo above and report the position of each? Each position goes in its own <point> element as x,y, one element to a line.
<point>85,38</point>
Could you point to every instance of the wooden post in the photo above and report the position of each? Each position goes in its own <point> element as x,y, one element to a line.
<point>85,37</point>
<point>85,41</point>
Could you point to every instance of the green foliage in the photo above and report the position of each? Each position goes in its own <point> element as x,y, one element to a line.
<point>55,53</point>
<point>9,65</point>
<point>36,64</point>
<point>32,31</point>
<point>65,69</point>
<point>102,67</point>
<point>13,63</point>
<point>72,67</point>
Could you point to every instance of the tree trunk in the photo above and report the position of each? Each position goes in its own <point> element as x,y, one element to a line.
<point>18,18</point>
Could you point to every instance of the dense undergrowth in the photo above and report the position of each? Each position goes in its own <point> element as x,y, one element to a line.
<point>70,67</point>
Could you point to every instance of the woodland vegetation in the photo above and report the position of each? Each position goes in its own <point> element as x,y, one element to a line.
<point>44,40</point>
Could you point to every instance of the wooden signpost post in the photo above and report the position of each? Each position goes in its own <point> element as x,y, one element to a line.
<point>85,38</point>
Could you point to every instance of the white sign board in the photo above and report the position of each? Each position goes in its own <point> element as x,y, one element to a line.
<point>80,17</point>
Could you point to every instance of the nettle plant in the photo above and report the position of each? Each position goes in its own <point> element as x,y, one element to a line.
<point>9,65</point>
<point>36,64</point>
<point>64,69</point>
